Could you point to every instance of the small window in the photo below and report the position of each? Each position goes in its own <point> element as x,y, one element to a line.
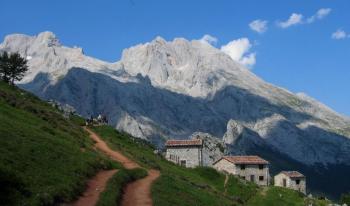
<point>297,182</point>
<point>261,178</point>
<point>183,163</point>
<point>242,167</point>
<point>261,167</point>
<point>243,177</point>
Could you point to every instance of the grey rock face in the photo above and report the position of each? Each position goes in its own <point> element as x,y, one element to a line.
<point>172,89</point>
<point>164,89</point>
<point>213,147</point>
<point>233,132</point>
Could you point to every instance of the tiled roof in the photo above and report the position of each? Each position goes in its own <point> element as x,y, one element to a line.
<point>293,174</point>
<point>245,159</point>
<point>192,142</point>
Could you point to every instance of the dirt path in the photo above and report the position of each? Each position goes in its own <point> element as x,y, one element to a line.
<point>117,156</point>
<point>137,193</point>
<point>225,183</point>
<point>95,186</point>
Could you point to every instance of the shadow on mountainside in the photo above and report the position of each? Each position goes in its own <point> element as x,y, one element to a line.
<point>322,180</point>
<point>176,114</point>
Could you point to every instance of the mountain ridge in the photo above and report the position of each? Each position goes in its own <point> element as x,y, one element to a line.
<point>161,90</point>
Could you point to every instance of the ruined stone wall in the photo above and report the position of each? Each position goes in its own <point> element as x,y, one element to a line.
<point>291,182</point>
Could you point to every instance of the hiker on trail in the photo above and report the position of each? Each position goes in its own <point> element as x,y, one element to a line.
<point>104,119</point>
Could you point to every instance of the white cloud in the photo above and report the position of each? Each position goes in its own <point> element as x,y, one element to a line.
<point>293,20</point>
<point>258,25</point>
<point>320,14</point>
<point>238,50</point>
<point>209,39</point>
<point>340,34</point>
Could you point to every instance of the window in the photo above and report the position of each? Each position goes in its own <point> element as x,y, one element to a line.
<point>243,177</point>
<point>242,167</point>
<point>261,178</point>
<point>297,182</point>
<point>261,167</point>
<point>183,163</point>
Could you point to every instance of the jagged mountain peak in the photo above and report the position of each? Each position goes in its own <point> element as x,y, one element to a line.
<point>171,89</point>
<point>45,54</point>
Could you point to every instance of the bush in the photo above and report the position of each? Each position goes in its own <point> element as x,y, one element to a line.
<point>345,198</point>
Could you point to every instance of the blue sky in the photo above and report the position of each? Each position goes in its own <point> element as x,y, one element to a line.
<point>302,57</point>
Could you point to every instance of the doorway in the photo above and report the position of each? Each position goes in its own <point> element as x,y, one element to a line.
<point>284,183</point>
<point>183,163</point>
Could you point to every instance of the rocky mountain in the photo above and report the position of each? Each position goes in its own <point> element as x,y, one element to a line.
<point>162,89</point>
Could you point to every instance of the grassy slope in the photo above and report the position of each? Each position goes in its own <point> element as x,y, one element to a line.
<point>114,190</point>
<point>44,157</point>
<point>200,186</point>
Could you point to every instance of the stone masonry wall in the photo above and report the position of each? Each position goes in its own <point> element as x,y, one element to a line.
<point>291,182</point>
<point>229,167</point>
<point>192,155</point>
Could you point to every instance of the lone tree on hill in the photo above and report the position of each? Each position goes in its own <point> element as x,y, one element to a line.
<point>12,67</point>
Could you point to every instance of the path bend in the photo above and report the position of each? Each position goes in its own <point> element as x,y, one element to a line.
<point>137,193</point>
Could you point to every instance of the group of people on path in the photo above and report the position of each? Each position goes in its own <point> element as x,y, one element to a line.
<point>100,120</point>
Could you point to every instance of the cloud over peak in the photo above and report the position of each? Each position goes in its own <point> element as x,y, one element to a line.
<point>258,25</point>
<point>238,50</point>
<point>209,39</point>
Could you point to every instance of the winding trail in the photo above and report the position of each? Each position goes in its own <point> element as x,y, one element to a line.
<point>136,193</point>
<point>94,187</point>
<point>227,177</point>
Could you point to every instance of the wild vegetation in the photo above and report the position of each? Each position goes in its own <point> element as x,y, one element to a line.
<point>12,67</point>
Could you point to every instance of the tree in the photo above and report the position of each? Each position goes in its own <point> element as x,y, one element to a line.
<point>345,199</point>
<point>12,67</point>
<point>4,71</point>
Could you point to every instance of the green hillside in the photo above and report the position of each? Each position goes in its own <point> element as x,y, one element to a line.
<point>46,159</point>
<point>200,186</point>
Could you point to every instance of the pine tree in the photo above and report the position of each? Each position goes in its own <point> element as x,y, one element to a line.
<point>4,68</point>
<point>12,67</point>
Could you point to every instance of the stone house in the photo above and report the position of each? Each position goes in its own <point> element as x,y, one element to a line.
<point>250,168</point>
<point>187,153</point>
<point>291,179</point>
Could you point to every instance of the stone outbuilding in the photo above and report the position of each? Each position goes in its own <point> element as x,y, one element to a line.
<point>250,168</point>
<point>291,179</point>
<point>187,153</point>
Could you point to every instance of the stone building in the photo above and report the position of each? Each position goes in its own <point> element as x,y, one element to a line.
<point>250,168</point>
<point>187,153</point>
<point>291,179</point>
